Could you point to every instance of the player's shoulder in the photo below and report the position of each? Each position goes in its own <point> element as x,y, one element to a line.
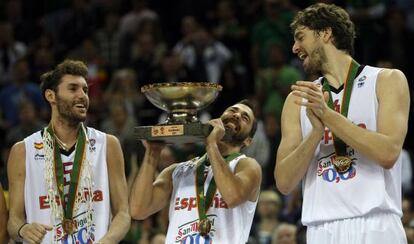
<point>391,79</point>
<point>386,74</point>
<point>290,106</point>
<point>111,139</point>
<point>18,147</point>
<point>249,162</point>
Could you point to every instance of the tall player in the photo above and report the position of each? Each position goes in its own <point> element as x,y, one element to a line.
<point>345,137</point>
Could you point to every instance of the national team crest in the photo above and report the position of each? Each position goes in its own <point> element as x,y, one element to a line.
<point>38,145</point>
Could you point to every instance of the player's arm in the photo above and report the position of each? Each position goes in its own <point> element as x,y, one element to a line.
<point>384,145</point>
<point>17,226</point>
<point>295,152</point>
<point>3,218</point>
<point>150,194</point>
<point>17,173</point>
<point>237,187</point>
<point>118,193</point>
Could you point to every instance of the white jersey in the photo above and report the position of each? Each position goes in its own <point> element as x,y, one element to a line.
<point>366,188</point>
<point>35,194</point>
<point>229,225</point>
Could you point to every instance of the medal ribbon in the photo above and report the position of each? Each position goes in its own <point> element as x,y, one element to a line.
<point>204,202</point>
<point>340,146</point>
<point>75,174</point>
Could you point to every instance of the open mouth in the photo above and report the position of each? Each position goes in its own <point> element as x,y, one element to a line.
<point>232,125</point>
<point>80,106</point>
<point>302,56</point>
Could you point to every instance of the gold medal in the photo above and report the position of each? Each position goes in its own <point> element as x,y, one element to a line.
<point>342,164</point>
<point>204,226</point>
<point>68,226</point>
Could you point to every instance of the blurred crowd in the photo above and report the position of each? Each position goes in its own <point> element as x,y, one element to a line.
<point>243,45</point>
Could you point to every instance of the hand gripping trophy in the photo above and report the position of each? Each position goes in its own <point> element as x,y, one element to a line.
<point>181,100</point>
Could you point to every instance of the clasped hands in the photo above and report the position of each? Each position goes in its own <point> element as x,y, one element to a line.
<point>315,103</point>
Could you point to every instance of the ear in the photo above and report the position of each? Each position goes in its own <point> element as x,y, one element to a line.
<point>327,34</point>
<point>247,141</point>
<point>50,95</point>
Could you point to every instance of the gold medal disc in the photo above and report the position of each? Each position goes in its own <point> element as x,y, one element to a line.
<point>204,226</point>
<point>68,226</point>
<point>342,164</point>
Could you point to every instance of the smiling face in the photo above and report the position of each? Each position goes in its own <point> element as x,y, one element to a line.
<point>308,46</point>
<point>238,121</point>
<point>71,99</point>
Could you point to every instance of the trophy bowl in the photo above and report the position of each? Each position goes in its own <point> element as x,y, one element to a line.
<point>181,101</point>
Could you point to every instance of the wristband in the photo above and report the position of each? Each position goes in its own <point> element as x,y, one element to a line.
<point>18,232</point>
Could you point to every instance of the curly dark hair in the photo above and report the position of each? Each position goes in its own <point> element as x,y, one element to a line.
<point>319,17</point>
<point>51,79</point>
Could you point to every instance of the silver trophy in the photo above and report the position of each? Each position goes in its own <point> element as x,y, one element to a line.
<point>181,101</point>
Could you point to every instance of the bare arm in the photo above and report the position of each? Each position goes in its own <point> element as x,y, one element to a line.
<point>3,218</point>
<point>16,169</point>
<point>384,145</point>
<point>149,195</point>
<point>118,192</point>
<point>235,188</point>
<point>295,153</point>
<point>17,173</point>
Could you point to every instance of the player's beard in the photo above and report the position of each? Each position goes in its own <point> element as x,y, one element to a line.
<point>315,61</point>
<point>67,110</point>
<point>232,136</point>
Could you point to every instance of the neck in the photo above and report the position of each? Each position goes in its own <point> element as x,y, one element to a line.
<point>227,149</point>
<point>65,132</point>
<point>336,67</point>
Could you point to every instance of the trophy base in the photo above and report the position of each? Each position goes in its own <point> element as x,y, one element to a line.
<point>174,133</point>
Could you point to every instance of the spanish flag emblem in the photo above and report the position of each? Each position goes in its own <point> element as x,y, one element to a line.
<point>38,145</point>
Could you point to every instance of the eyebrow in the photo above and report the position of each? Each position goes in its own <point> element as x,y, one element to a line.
<point>297,34</point>
<point>242,112</point>
<point>77,84</point>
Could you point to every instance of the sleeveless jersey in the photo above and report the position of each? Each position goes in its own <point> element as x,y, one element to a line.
<point>366,188</point>
<point>36,204</point>
<point>229,225</point>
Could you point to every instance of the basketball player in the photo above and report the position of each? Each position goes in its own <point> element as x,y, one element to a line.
<point>212,198</point>
<point>345,137</point>
<point>67,182</point>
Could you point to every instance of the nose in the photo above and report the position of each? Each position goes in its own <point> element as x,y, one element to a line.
<point>82,94</point>
<point>295,48</point>
<point>236,115</point>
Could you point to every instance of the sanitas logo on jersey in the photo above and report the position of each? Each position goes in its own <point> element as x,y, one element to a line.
<point>189,232</point>
<point>327,171</point>
<point>81,229</point>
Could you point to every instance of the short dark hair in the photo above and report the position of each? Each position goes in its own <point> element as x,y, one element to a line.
<point>252,107</point>
<point>52,78</point>
<point>319,17</point>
